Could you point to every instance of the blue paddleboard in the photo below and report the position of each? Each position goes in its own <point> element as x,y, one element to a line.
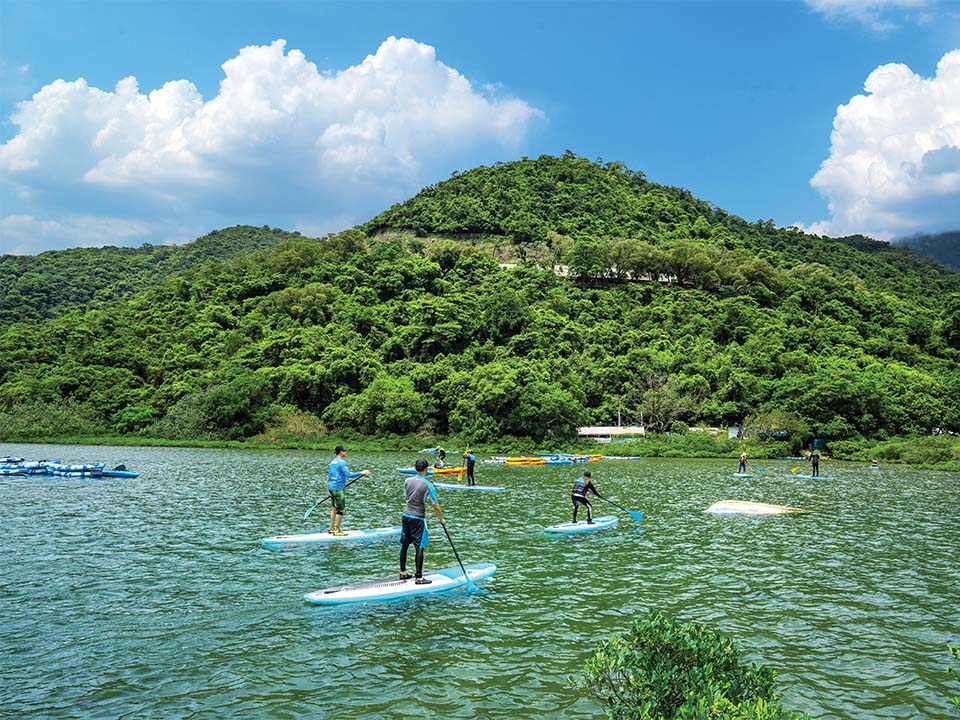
<point>577,528</point>
<point>391,588</point>
<point>813,477</point>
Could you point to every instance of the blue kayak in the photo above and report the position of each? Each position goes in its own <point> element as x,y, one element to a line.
<point>459,486</point>
<point>577,528</point>
<point>323,537</point>
<point>392,588</point>
<point>120,473</point>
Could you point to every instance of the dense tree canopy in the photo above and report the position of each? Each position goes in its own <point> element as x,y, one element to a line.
<point>626,296</point>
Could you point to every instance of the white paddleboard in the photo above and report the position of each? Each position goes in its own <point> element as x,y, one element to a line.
<point>321,538</point>
<point>582,526</point>
<point>459,486</point>
<point>744,507</point>
<point>391,588</point>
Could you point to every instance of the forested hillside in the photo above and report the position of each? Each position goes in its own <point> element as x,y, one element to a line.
<point>46,285</point>
<point>942,247</point>
<point>628,296</point>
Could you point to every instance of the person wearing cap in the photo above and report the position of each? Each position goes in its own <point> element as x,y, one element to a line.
<point>581,487</point>
<point>337,477</point>
<point>470,460</point>
<point>413,531</point>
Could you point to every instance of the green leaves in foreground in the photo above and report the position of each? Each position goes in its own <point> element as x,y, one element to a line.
<point>955,674</point>
<point>664,669</point>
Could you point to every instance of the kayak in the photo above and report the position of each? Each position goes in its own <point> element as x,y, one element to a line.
<point>120,473</point>
<point>742,475</point>
<point>600,523</point>
<point>449,470</point>
<point>813,477</point>
<point>324,537</point>
<point>412,471</point>
<point>558,461</point>
<point>392,588</point>
<point>458,486</point>
<point>743,507</point>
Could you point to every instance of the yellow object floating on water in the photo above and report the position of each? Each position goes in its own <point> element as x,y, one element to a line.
<point>745,507</point>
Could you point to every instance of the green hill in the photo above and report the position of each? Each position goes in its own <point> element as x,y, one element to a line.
<point>626,296</point>
<point>943,247</point>
<point>49,284</point>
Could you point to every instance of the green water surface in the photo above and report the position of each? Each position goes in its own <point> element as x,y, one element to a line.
<point>152,598</point>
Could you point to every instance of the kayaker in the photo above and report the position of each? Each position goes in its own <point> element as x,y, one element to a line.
<point>337,477</point>
<point>470,460</point>
<point>581,487</point>
<point>874,463</point>
<point>815,459</point>
<point>742,467</point>
<point>413,521</point>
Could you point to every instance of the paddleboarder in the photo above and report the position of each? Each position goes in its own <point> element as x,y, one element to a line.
<point>742,467</point>
<point>441,457</point>
<point>413,531</point>
<point>470,460</point>
<point>337,477</point>
<point>815,459</point>
<point>581,487</point>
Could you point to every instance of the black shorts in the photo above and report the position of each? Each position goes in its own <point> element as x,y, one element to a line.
<point>413,532</point>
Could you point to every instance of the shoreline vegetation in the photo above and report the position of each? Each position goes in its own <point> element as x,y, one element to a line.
<point>941,452</point>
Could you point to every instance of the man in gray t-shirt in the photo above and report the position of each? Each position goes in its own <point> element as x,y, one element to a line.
<point>417,489</point>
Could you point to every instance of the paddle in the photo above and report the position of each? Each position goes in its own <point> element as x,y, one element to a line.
<point>636,515</point>
<point>466,577</point>
<point>320,502</point>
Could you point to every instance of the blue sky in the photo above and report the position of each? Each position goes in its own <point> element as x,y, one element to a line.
<point>735,101</point>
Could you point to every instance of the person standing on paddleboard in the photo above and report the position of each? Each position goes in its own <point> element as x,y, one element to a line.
<point>742,467</point>
<point>337,477</point>
<point>815,459</point>
<point>413,531</point>
<point>581,487</point>
<point>470,460</point>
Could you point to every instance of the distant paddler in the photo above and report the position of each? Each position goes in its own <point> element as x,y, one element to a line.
<point>815,460</point>
<point>441,457</point>
<point>581,487</point>
<point>742,467</point>
<point>337,477</point>
<point>470,460</point>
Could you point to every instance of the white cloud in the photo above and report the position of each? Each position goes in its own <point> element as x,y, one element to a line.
<point>894,165</point>
<point>280,137</point>
<point>878,15</point>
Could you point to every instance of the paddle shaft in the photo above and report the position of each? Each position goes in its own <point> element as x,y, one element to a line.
<point>321,501</point>
<point>457,555</point>
<point>631,513</point>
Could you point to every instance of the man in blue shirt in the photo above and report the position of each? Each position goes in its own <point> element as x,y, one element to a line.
<point>470,460</point>
<point>337,477</point>
<point>417,489</point>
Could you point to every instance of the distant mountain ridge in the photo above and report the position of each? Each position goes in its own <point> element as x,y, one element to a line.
<point>943,247</point>
<point>42,286</point>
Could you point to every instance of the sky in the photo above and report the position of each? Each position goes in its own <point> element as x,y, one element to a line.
<point>123,123</point>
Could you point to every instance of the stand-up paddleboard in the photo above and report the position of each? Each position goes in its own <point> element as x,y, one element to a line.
<point>744,507</point>
<point>321,538</point>
<point>120,473</point>
<point>813,477</point>
<point>743,475</point>
<point>582,526</point>
<point>412,471</point>
<point>459,486</point>
<point>391,588</point>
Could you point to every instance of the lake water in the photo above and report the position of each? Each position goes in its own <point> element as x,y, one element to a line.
<point>152,598</point>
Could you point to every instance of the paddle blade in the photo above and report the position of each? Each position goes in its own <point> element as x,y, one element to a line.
<point>793,470</point>
<point>636,515</point>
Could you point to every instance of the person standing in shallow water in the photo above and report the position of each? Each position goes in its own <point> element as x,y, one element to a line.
<point>337,476</point>
<point>413,531</point>
<point>581,487</point>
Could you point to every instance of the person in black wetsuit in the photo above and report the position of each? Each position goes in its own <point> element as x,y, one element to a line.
<point>469,459</point>
<point>581,487</point>
<point>815,459</point>
<point>441,457</point>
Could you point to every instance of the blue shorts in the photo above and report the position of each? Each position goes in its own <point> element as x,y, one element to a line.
<point>413,531</point>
